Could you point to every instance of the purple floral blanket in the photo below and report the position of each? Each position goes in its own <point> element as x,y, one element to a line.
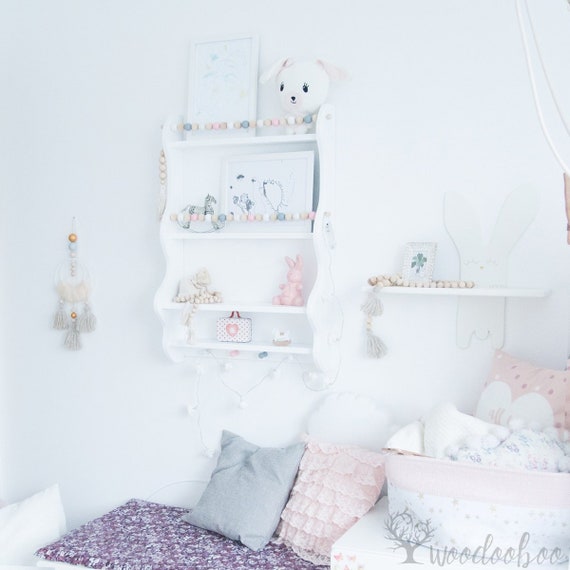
<point>140,535</point>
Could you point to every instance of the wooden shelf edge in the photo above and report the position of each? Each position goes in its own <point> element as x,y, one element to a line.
<point>473,292</point>
<point>241,307</point>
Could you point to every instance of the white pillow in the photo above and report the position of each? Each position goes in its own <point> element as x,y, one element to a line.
<point>27,526</point>
<point>445,426</point>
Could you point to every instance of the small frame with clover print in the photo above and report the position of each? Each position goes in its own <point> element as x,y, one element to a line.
<point>419,258</point>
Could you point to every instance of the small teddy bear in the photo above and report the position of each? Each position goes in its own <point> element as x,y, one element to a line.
<point>291,294</point>
<point>302,88</point>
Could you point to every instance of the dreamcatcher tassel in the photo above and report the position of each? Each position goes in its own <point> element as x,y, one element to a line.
<point>87,320</point>
<point>372,306</point>
<point>375,348</point>
<point>72,339</point>
<point>60,319</point>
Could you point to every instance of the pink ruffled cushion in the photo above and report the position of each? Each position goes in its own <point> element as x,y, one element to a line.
<point>336,485</point>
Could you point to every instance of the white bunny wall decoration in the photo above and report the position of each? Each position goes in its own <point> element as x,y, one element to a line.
<point>486,262</point>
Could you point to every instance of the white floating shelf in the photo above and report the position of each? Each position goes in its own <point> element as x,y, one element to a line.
<point>463,292</point>
<point>198,141</point>
<point>241,307</point>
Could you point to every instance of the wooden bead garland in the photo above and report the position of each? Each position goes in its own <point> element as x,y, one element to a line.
<point>372,306</point>
<point>398,281</point>
<point>246,123</point>
<point>223,218</point>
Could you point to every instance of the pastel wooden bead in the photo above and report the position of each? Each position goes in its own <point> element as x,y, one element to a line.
<point>237,125</point>
<point>312,215</point>
<point>201,217</point>
<point>260,123</point>
<point>194,217</point>
<point>72,237</point>
<point>275,122</point>
<point>258,217</point>
<point>298,120</point>
<point>304,215</point>
<point>267,122</point>
<point>216,126</point>
<point>250,218</point>
<point>291,120</point>
<point>243,218</point>
<point>273,217</point>
<point>230,217</point>
<point>288,216</point>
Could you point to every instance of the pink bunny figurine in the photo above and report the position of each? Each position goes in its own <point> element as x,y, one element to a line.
<point>291,291</point>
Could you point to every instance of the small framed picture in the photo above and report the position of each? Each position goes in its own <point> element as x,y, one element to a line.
<point>272,184</point>
<point>223,80</point>
<point>419,259</point>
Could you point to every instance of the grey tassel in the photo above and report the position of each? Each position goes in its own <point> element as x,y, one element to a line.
<point>372,306</point>
<point>72,340</point>
<point>87,320</point>
<point>60,319</point>
<point>375,348</point>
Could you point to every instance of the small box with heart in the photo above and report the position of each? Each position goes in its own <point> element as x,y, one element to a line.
<point>234,328</point>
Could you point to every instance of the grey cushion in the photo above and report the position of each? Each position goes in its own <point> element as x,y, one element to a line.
<point>248,490</point>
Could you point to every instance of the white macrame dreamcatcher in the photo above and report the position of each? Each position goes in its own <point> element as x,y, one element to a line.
<point>73,288</point>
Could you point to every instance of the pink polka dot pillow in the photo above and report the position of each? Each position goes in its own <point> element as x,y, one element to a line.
<point>336,485</point>
<point>517,389</point>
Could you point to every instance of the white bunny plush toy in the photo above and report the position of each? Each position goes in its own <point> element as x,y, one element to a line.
<point>302,87</point>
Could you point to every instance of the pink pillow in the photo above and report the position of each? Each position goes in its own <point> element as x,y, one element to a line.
<point>336,485</point>
<point>517,389</point>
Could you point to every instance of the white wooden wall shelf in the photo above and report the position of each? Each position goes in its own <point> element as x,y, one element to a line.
<point>246,259</point>
<point>481,310</point>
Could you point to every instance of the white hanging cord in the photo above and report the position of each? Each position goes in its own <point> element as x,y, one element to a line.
<point>545,73</point>
<point>173,484</point>
<point>537,105</point>
<point>195,409</point>
<point>222,368</point>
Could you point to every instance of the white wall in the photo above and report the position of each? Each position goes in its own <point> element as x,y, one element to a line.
<point>439,100</point>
